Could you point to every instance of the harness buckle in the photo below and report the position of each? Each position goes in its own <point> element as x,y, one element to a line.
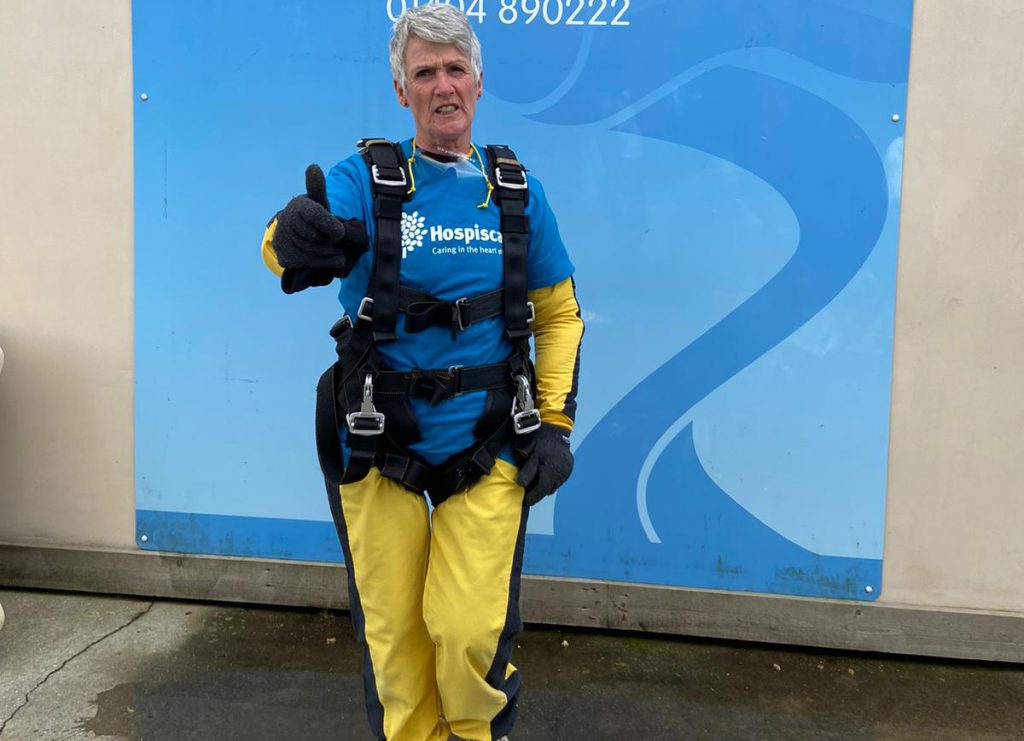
<point>525,418</point>
<point>385,180</point>
<point>455,372</point>
<point>457,306</point>
<point>361,312</point>
<point>341,332</point>
<point>342,325</point>
<point>512,171</point>
<point>531,312</point>
<point>367,421</point>
<point>439,384</point>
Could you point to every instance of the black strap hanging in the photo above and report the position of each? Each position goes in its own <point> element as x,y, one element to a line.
<point>508,176</point>
<point>328,446</point>
<point>389,181</point>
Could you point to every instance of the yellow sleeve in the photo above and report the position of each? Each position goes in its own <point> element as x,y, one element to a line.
<point>269,256</point>
<point>557,333</point>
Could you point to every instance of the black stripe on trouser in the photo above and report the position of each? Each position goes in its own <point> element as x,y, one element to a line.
<point>374,709</point>
<point>502,723</point>
<point>569,409</point>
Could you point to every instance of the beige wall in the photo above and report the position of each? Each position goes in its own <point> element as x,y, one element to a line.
<point>66,272</point>
<point>955,530</point>
<point>955,514</point>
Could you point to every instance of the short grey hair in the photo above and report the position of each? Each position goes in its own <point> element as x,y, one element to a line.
<point>442,24</point>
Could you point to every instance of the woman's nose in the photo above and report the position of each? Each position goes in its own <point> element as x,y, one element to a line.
<point>444,83</point>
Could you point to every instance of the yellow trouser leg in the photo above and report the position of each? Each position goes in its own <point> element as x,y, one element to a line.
<point>385,534</point>
<point>471,603</point>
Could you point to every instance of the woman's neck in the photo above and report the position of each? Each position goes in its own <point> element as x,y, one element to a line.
<point>444,149</point>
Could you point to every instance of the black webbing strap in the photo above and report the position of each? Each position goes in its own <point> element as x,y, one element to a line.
<point>460,471</point>
<point>400,428</point>
<point>423,310</point>
<point>410,472</point>
<point>357,361</point>
<point>361,451</point>
<point>492,432</point>
<point>508,176</point>
<point>389,182</point>
<point>471,466</point>
<point>438,385</point>
<point>332,403</point>
<point>328,444</point>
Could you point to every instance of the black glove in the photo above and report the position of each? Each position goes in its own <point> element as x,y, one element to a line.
<point>548,466</point>
<point>309,237</point>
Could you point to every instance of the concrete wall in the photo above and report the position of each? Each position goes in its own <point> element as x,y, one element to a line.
<point>954,536</point>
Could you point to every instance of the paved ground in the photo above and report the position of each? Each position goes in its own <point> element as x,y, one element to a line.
<point>83,667</point>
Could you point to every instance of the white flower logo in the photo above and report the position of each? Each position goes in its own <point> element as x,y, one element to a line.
<point>412,232</point>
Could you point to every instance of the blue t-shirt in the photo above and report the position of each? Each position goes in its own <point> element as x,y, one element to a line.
<point>451,248</point>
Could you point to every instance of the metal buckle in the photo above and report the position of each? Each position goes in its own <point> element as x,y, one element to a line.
<point>380,180</point>
<point>457,311</point>
<point>341,325</point>
<point>362,144</point>
<point>367,421</point>
<point>361,311</point>
<point>511,186</point>
<point>453,371</point>
<point>532,312</point>
<point>525,419</point>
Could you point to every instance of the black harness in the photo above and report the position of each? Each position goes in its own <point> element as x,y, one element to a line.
<point>371,400</point>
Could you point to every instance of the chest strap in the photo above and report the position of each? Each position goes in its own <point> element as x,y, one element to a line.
<point>423,310</point>
<point>438,385</point>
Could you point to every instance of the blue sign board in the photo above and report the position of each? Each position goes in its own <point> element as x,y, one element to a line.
<point>726,175</point>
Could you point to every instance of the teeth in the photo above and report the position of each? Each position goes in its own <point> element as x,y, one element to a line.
<point>446,109</point>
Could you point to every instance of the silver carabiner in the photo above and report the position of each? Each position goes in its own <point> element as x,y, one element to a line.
<point>525,418</point>
<point>367,421</point>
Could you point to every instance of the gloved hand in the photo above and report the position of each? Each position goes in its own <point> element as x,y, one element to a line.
<point>309,236</point>
<point>548,466</point>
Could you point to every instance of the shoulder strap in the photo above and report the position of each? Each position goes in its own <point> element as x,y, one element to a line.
<point>389,182</point>
<point>508,176</point>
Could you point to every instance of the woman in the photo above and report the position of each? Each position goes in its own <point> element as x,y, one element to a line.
<point>454,259</point>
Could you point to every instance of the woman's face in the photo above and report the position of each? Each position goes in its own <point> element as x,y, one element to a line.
<point>441,93</point>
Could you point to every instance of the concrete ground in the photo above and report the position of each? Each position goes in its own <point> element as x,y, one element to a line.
<point>78,666</point>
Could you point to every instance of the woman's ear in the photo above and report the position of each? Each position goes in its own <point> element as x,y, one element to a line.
<point>402,100</point>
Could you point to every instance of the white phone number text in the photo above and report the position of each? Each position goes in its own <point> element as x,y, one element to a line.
<point>551,12</point>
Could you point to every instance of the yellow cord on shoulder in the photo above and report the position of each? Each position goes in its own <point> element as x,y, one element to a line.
<point>408,163</point>
<point>483,171</point>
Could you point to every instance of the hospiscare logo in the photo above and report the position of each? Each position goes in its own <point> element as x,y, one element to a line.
<point>456,240</point>
<point>412,232</point>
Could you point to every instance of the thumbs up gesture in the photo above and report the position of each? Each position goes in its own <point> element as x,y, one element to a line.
<point>316,186</point>
<point>309,236</point>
